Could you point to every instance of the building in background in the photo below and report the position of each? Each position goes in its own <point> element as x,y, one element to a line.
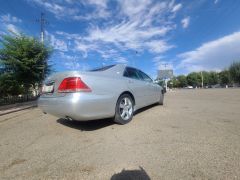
<point>163,76</point>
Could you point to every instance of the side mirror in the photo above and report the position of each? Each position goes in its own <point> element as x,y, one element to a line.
<point>164,90</point>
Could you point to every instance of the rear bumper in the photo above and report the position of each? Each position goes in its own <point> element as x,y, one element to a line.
<point>79,106</point>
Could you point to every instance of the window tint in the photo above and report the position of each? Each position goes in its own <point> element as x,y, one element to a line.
<point>144,77</point>
<point>131,73</point>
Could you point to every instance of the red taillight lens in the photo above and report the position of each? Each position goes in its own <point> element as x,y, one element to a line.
<point>73,84</point>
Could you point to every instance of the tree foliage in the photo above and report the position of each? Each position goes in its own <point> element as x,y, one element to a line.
<point>224,77</point>
<point>210,78</point>
<point>213,78</point>
<point>234,70</point>
<point>182,81</point>
<point>9,85</point>
<point>194,79</point>
<point>23,62</point>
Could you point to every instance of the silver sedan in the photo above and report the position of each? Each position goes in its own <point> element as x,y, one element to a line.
<point>112,91</point>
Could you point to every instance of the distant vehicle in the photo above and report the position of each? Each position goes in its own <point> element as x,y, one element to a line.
<point>112,91</point>
<point>216,86</point>
<point>189,87</point>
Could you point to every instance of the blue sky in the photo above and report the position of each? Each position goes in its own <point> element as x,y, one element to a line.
<point>184,35</point>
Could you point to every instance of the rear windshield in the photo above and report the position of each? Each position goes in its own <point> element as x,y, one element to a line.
<point>102,68</point>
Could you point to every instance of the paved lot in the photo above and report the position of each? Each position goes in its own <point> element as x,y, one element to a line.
<point>195,135</point>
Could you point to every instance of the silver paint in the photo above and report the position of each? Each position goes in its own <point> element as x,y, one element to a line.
<point>106,86</point>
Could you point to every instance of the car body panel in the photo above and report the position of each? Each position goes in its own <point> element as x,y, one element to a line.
<point>106,87</point>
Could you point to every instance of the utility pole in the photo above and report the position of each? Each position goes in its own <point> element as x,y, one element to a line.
<point>42,22</point>
<point>202,78</point>
<point>165,78</point>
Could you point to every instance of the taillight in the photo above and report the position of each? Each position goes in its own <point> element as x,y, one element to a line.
<point>73,84</point>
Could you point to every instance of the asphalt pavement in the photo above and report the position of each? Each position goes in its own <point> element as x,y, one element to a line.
<point>195,135</point>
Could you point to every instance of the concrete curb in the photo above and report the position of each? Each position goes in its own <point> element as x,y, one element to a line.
<point>17,107</point>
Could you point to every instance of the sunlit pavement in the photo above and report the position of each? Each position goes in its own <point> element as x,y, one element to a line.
<point>195,135</point>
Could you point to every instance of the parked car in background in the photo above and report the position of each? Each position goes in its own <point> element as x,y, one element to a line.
<point>112,91</point>
<point>189,87</point>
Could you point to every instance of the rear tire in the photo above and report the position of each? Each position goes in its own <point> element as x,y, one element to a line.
<point>124,109</point>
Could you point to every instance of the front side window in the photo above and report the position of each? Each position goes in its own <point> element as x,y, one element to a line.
<point>144,76</point>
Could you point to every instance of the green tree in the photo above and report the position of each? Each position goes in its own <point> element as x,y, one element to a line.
<point>213,78</point>
<point>23,60</point>
<point>175,82</point>
<point>224,77</point>
<point>182,81</point>
<point>206,76</point>
<point>9,85</point>
<point>194,79</point>
<point>234,70</point>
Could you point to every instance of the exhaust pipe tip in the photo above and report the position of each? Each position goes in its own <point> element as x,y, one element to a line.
<point>68,118</point>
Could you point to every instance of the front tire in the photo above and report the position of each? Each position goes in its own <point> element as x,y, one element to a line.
<point>160,102</point>
<point>124,109</point>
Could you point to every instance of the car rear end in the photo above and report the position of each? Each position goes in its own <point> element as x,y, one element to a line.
<point>77,95</point>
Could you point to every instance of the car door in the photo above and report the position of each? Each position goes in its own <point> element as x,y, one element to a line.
<point>150,87</point>
<point>137,87</point>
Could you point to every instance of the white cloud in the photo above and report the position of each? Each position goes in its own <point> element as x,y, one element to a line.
<point>177,7</point>
<point>112,54</point>
<point>8,23</point>
<point>137,25</point>
<point>57,43</point>
<point>127,35</point>
<point>121,60</point>
<point>100,10</point>
<point>213,55</point>
<point>59,10</point>
<point>100,3</point>
<point>70,9</point>
<point>84,47</point>
<point>133,7</point>
<point>12,28</point>
<point>185,22</point>
<point>8,18</point>
<point>67,57</point>
<point>72,62</point>
<point>157,46</point>
<point>216,1</point>
<point>68,35</point>
<point>145,22</point>
<point>162,63</point>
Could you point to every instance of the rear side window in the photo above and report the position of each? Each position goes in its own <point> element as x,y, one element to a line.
<point>131,73</point>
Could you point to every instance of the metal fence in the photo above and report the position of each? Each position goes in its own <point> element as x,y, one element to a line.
<point>17,99</point>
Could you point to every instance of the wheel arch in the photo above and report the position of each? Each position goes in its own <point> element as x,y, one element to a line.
<point>130,94</point>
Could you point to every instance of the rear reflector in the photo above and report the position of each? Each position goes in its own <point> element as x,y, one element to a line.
<point>73,84</point>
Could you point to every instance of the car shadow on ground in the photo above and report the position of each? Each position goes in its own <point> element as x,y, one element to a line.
<point>95,124</point>
<point>145,109</point>
<point>131,175</point>
<point>87,125</point>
